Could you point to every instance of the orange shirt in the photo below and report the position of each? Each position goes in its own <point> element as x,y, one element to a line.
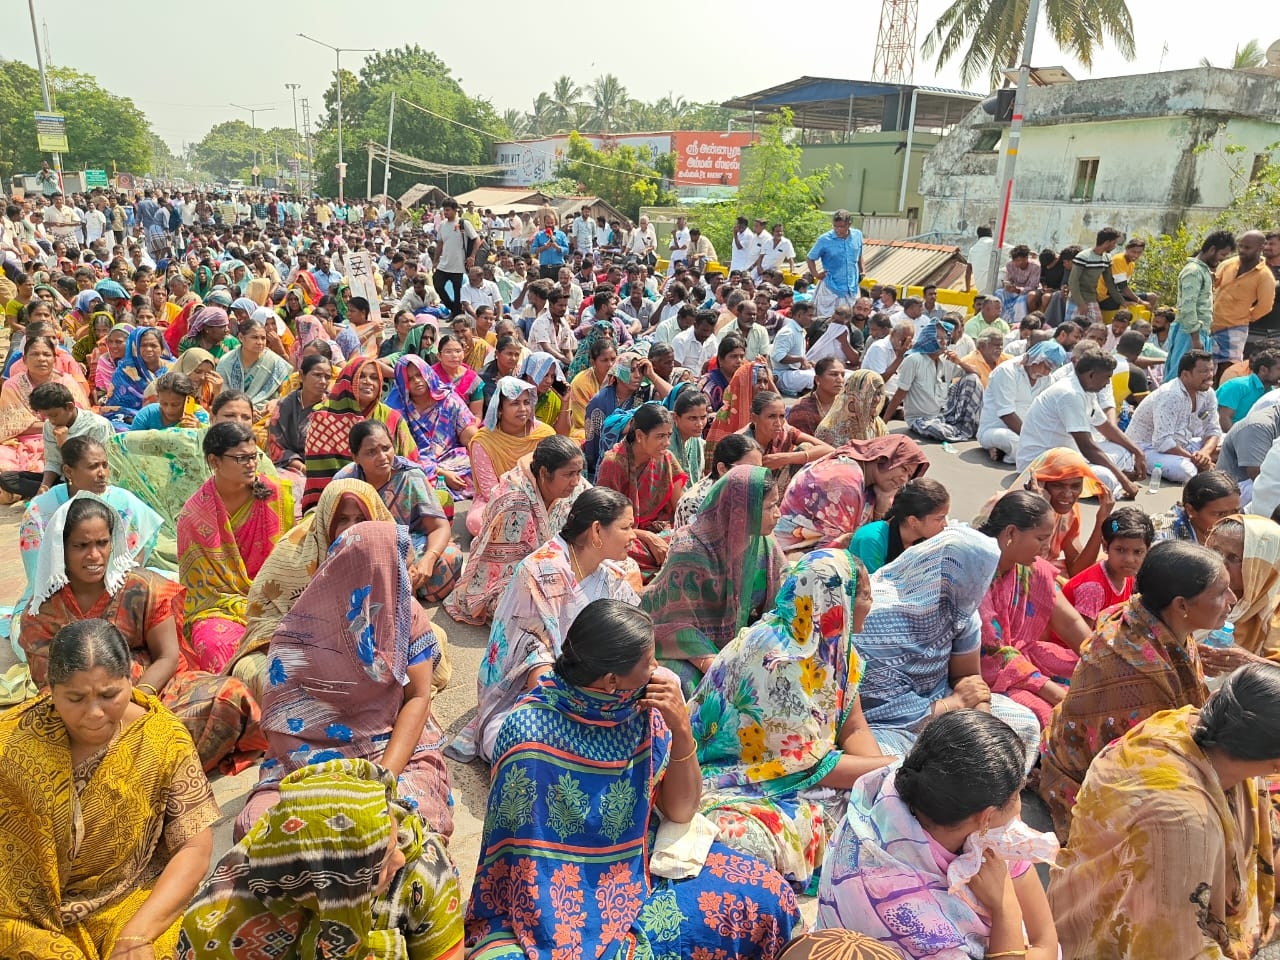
<point>1239,299</point>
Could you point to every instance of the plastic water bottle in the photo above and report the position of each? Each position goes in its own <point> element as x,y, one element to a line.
<point>1224,636</point>
<point>1156,474</point>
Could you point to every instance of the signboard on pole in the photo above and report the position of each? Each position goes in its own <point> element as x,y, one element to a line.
<point>51,133</point>
<point>709,159</point>
<point>360,271</point>
<point>95,178</point>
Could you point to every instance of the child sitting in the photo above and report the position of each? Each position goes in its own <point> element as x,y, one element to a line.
<point>175,406</point>
<point>1127,534</point>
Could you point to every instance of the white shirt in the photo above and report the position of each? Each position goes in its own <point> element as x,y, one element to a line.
<point>1266,486</point>
<point>95,224</point>
<point>926,384</point>
<point>485,295</point>
<point>691,354</point>
<point>642,240</point>
<point>745,256</point>
<point>775,255</point>
<point>1166,419</point>
<point>454,242</point>
<point>1009,390</point>
<point>680,245</point>
<point>878,355</point>
<point>561,338</point>
<point>62,224</point>
<point>1064,408</point>
<point>787,342</point>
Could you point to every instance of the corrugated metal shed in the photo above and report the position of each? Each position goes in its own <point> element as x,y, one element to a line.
<point>904,263</point>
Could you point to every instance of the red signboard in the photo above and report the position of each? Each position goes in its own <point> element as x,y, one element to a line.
<point>709,159</point>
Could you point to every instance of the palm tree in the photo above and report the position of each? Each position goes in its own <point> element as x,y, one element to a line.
<point>1248,57</point>
<point>517,122</point>
<point>608,100</point>
<point>990,33</point>
<point>565,97</point>
<point>540,117</point>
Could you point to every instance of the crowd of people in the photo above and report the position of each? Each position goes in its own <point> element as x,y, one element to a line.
<point>738,648</point>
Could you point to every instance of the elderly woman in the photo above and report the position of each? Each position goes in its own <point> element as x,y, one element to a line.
<point>108,814</point>
<point>511,431</point>
<point>854,414</point>
<point>252,367</point>
<point>785,448</point>
<point>144,359</point>
<point>526,510</point>
<point>1250,548</point>
<point>210,329</point>
<point>102,362</point>
<point>440,421</point>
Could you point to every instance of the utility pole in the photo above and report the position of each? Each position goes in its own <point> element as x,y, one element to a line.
<point>44,82</point>
<point>386,175</point>
<point>368,181</point>
<point>306,133</point>
<point>337,79</point>
<point>253,122</point>
<point>297,144</point>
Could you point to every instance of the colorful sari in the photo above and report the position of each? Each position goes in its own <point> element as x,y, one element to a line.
<point>219,555</point>
<point>855,415</point>
<point>1164,862</point>
<point>437,431</point>
<point>651,488</point>
<point>561,873</point>
<point>328,445</point>
<point>1061,463</point>
<point>827,498</point>
<point>130,378</point>
<point>720,575</point>
<point>1131,668</point>
<point>538,606</point>
<point>495,452</point>
<point>734,412</point>
<point>84,844</point>
<point>467,384</point>
<point>303,878</point>
<point>515,523</point>
<point>261,380</point>
<point>357,626</point>
<point>1018,658</point>
<point>21,434</point>
<point>581,389</point>
<point>767,720</point>
<point>1256,615</point>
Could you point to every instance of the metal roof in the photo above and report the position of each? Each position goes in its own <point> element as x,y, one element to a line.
<point>904,263</point>
<point>826,103</point>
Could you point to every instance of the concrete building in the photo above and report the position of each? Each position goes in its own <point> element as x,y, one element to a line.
<point>1141,153</point>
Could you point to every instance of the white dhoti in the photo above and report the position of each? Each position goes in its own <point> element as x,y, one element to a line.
<point>828,344</point>
<point>1172,468</point>
<point>999,438</point>
<point>793,382</point>
<point>825,300</point>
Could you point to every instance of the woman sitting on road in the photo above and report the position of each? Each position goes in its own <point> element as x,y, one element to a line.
<point>441,423</point>
<point>807,413</point>
<point>510,432</point>
<point>1206,499</point>
<point>1063,477</point>
<point>919,511</point>
<point>252,367</point>
<point>734,450</point>
<point>1250,548</point>
<point>855,415</point>
<point>785,448</point>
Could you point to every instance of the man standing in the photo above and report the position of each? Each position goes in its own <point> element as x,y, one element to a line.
<point>1087,269</point>
<point>1195,297</point>
<point>1244,291</point>
<point>679,246</point>
<point>1177,425</point>
<point>95,222</point>
<point>456,241</point>
<point>48,180</point>
<point>1269,326</point>
<point>701,252</point>
<point>551,247</point>
<point>583,232</point>
<point>840,252</point>
<point>643,242</point>
<point>63,220</point>
<point>743,251</point>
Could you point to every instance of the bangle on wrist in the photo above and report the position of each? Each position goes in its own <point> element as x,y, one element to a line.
<point>692,753</point>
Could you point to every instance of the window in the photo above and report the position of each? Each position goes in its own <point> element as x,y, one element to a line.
<point>1086,178</point>
<point>988,140</point>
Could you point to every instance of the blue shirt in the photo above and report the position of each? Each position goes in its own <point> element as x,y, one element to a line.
<point>1239,395</point>
<point>149,418</point>
<point>552,256</point>
<point>840,260</point>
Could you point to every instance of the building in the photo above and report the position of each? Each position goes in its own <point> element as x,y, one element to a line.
<point>1141,153</point>
<point>879,134</point>
<point>530,162</point>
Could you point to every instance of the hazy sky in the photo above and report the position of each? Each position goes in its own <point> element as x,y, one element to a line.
<point>183,70</point>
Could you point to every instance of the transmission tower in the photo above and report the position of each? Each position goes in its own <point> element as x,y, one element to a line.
<point>896,43</point>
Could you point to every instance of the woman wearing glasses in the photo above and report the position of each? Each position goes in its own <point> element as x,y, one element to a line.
<point>225,533</point>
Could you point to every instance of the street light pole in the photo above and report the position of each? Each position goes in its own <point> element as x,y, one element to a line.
<point>297,143</point>
<point>253,122</point>
<point>44,83</point>
<point>337,79</point>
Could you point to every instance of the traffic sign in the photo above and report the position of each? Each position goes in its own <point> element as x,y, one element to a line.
<point>51,132</point>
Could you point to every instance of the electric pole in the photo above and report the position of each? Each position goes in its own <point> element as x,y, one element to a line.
<point>297,143</point>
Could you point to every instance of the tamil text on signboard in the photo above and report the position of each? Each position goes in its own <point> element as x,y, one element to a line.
<point>709,159</point>
<point>51,133</point>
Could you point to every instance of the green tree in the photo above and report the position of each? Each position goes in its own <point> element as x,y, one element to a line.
<point>565,98</point>
<point>622,176</point>
<point>1247,57</point>
<point>227,150</point>
<point>773,187</point>
<point>608,102</point>
<point>990,33</point>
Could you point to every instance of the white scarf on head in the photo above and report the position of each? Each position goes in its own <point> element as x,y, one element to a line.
<point>51,563</point>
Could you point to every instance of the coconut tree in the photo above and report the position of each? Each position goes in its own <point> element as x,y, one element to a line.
<point>608,100</point>
<point>517,122</point>
<point>989,33</point>
<point>565,97</point>
<point>540,116</point>
<point>1248,57</point>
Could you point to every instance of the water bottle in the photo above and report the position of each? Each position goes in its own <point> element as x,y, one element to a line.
<point>1156,474</point>
<point>1224,636</point>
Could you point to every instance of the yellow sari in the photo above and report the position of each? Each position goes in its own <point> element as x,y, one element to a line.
<point>84,846</point>
<point>583,387</point>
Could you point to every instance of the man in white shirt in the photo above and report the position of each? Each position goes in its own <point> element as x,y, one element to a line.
<point>1011,388</point>
<point>743,252</point>
<point>95,222</point>
<point>678,245</point>
<point>479,292</point>
<point>550,332</point>
<point>695,346</point>
<point>583,234</point>
<point>884,355</point>
<point>643,241</point>
<point>456,245</point>
<point>1177,425</point>
<point>774,252</point>
<point>570,289</point>
<point>791,369</point>
<point>418,296</point>
<point>62,220</point>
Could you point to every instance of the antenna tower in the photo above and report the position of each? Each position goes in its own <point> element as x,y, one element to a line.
<point>896,43</point>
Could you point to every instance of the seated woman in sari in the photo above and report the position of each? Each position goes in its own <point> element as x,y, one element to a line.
<point>1063,477</point>
<point>734,450</point>
<point>548,590</point>
<point>543,371</point>
<point>526,510</point>
<point>144,359</point>
<point>107,813</point>
<point>210,329</point>
<point>1141,659</point>
<point>722,573</point>
<point>354,397</point>
<point>225,533</point>
<point>441,423</point>
<point>361,868</point>
<point>730,355</point>
<point>1250,548</point>
<point>1206,499</point>
<point>198,365</point>
<point>253,368</point>
<point>102,362</point>
<point>287,430</point>
<point>99,326</point>
<point>599,356</point>
<point>907,824</point>
<point>631,383</point>
<point>510,432</point>
<point>508,351</point>
<point>21,431</point>
<point>1191,875</point>
<point>355,626</point>
<point>785,448</point>
<point>690,409</point>
<point>855,415</point>
<point>921,643</point>
<point>780,731</point>
<point>918,512</point>
<point>561,873</point>
<point>451,369</point>
<point>85,571</point>
<point>835,496</point>
<point>410,495</point>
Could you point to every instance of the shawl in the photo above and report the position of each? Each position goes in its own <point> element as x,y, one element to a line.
<point>504,449</point>
<point>357,625</point>
<point>650,487</point>
<point>187,362</point>
<point>582,388</point>
<point>856,413</point>
<point>328,444</point>
<point>261,380</point>
<point>295,559</point>
<point>1192,873</point>
<point>435,430</point>
<point>924,610</point>
<point>719,571</point>
<point>305,875</point>
<point>1255,614</point>
<point>544,842</point>
<point>218,554</point>
<point>413,339</point>
<point>537,365</point>
<point>1131,668</point>
<point>713,384</point>
<point>734,414</point>
<point>600,330</point>
<point>410,495</point>
<point>131,376</point>
<point>464,385</point>
<point>690,453</point>
<point>1015,615</point>
<point>1061,463</point>
<point>81,842</point>
<point>259,291</point>
<point>515,523</point>
<point>827,498</point>
<point>16,416</point>
<point>51,563</point>
<point>882,879</point>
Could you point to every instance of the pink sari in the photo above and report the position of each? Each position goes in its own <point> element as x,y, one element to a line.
<point>219,555</point>
<point>1018,659</point>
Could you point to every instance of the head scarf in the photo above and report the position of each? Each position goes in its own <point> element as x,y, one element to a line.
<point>1059,463</point>
<point>259,291</point>
<point>59,301</point>
<point>719,570</point>
<point>398,398</point>
<point>51,564</point>
<point>245,304</point>
<point>837,945</point>
<point>342,395</point>
<point>600,330</point>
<point>855,415</point>
<point>85,300</point>
<point>219,297</point>
<point>927,339</point>
<point>413,339</point>
<point>207,317</point>
<point>505,450</point>
<point>111,290</point>
<point>1255,616</point>
<point>509,387</point>
<point>537,365</point>
<point>1048,351</point>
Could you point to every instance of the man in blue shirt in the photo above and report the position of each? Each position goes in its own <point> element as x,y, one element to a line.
<point>840,251</point>
<point>550,246</point>
<point>1237,396</point>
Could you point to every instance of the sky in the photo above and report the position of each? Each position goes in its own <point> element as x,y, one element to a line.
<point>655,48</point>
